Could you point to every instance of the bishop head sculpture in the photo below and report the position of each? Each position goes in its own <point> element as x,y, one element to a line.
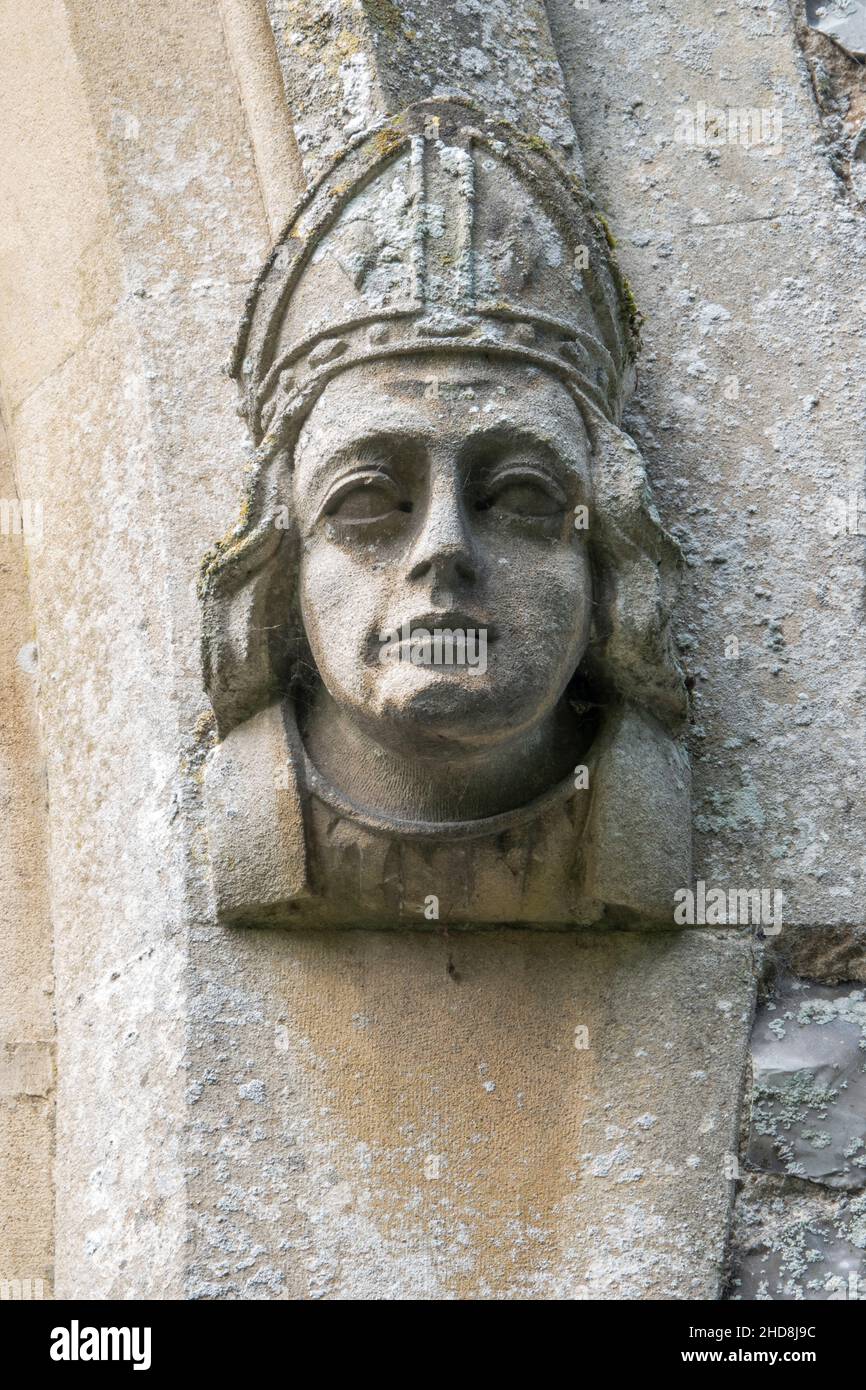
<point>436,642</point>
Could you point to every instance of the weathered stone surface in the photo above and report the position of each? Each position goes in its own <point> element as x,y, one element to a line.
<point>751,423</point>
<point>843,22</point>
<point>809,1084</point>
<point>345,66</point>
<point>493,1115</point>
<point>788,1245</point>
<point>250,42</point>
<point>794,1236</point>
<point>257,1113</point>
<point>26,976</point>
<point>834,955</point>
<point>255,822</point>
<point>112,424</point>
<point>70,267</point>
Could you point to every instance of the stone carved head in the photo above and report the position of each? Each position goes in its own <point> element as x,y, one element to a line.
<point>433,364</point>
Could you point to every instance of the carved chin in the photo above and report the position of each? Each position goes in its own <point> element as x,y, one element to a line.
<point>452,705</point>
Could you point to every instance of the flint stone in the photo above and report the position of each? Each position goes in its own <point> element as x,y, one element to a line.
<point>809,1085</point>
<point>844,23</point>
<point>799,1256</point>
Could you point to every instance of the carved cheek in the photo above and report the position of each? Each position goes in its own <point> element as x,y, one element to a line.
<point>583,588</point>
<point>551,578</point>
<point>568,589</point>
<point>556,605</point>
<point>341,595</point>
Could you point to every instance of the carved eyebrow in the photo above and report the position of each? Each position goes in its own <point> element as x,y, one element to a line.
<point>507,432</point>
<point>372,448</point>
<point>364,448</point>
<point>509,438</point>
<point>370,440</point>
<point>506,429</point>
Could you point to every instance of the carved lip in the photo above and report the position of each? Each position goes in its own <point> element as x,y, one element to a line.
<point>453,619</point>
<point>399,636</point>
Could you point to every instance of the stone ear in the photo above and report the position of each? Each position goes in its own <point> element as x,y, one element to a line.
<point>250,633</point>
<point>631,652</point>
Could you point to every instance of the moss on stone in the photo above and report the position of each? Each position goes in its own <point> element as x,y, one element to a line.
<point>385,16</point>
<point>387,141</point>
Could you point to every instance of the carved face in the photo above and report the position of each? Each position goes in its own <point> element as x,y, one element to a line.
<point>440,492</point>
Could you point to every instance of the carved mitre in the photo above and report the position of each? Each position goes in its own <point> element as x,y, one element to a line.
<point>442,232</point>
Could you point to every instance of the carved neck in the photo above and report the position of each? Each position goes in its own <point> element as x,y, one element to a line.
<point>455,784</point>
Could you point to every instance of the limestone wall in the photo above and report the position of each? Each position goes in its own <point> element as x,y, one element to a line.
<point>271,1114</point>
<point>26,971</point>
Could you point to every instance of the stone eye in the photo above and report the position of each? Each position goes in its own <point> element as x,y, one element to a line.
<point>521,495</point>
<point>372,497</point>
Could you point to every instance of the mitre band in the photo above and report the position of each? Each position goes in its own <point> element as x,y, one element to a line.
<point>581,361</point>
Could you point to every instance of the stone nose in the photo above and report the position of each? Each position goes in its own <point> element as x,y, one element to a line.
<point>444,552</point>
